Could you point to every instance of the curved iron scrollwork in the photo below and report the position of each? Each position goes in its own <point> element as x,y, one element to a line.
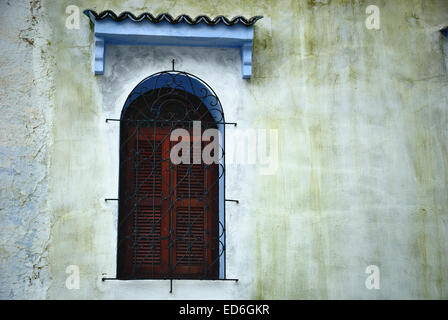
<point>171,219</point>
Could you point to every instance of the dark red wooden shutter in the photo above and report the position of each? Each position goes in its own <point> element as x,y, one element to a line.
<point>168,224</point>
<point>196,218</point>
<point>144,208</point>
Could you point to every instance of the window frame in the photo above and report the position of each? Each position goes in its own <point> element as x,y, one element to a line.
<point>194,85</point>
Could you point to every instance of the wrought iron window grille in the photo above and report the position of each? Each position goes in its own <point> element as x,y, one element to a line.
<point>171,223</point>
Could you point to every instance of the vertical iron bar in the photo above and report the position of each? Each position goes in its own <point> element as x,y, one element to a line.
<point>224,195</point>
<point>189,171</point>
<point>171,206</point>
<point>136,166</point>
<point>154,164</point>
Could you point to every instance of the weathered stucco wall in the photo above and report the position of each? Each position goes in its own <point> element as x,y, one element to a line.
<point>25,140</point>
<point>363,153</point>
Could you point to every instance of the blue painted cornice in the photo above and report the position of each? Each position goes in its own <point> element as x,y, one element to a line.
<point>164,30</point>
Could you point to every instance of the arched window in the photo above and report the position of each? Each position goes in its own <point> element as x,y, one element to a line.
<point>171,216</point>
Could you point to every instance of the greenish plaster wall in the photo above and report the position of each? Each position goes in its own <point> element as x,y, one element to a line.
<point>24,153</point>
<point>362,126</point>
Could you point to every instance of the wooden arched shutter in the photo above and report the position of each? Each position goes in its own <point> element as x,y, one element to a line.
<point>168,214</point>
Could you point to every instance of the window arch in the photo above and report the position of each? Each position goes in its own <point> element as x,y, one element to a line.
<point>171,217</point>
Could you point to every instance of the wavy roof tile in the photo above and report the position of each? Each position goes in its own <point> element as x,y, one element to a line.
<point>168,18</point>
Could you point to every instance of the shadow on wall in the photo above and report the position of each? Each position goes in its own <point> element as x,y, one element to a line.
<point>444,32</point>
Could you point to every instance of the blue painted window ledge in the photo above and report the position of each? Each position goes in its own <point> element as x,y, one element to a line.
<point>164,30</point>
